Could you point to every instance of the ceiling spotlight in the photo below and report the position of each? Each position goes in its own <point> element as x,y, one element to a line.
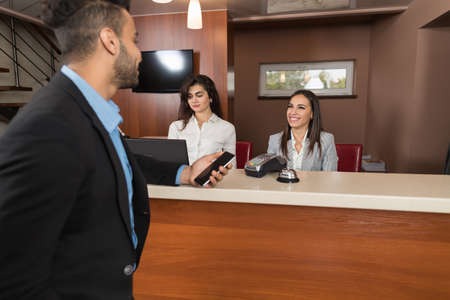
<point>162,1</point>
<point>194,17</point>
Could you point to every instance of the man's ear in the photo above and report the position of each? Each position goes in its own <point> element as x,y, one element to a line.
<point>109,40</point>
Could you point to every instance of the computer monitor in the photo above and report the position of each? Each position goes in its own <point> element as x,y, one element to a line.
<point>168,150</point>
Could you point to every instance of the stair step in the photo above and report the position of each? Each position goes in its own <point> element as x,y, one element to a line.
<point>15,88</point>
<point>4,70</point>
<point>12,104</point>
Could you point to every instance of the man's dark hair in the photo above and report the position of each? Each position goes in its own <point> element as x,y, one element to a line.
<point>78,23</point>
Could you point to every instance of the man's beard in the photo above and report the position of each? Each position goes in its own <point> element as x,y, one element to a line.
<point>126,73</point>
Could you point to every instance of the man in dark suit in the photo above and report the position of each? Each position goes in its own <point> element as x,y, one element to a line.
<point>74,209</point>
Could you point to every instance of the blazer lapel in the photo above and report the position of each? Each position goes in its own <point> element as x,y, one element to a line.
<point>141,202</point>
<point>122,192</point>
<point>306,160</point>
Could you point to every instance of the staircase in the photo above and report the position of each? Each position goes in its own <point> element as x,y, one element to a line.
<point>29,57</point>
<point>12,87</point>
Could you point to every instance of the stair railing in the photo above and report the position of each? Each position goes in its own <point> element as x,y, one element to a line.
<point>50,49</point>
<point>16,64</point>
<point>16,50</point>
<point>16,34</point>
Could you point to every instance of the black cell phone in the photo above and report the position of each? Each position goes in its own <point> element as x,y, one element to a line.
<point>223,160</point>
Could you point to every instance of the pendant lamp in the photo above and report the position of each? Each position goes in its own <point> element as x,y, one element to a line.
<point>194,17</point>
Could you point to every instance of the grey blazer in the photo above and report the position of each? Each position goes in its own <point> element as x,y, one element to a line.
<point>311,161</point>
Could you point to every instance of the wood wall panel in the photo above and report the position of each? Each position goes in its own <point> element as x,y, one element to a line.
<point>344,117</point>
<point>149,114</point>
<point>209,250</point>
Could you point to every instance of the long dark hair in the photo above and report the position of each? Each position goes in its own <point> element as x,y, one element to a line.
<point>314,127</point>
<point>184,111</point>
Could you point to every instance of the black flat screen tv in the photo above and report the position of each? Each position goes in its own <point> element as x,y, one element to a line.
<point>163,71</point>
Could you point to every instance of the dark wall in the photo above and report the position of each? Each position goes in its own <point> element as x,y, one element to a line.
<point>408,111</point>
<point>401,110</point>
<point>256,119</point>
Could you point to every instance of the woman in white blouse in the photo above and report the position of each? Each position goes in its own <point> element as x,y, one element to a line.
<point>199,120</point>
<point>303,142</point>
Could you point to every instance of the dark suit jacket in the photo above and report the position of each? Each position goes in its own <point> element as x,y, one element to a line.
<point>64,217</point>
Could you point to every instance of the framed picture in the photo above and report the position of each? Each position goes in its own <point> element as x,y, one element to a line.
<point>325,79</point>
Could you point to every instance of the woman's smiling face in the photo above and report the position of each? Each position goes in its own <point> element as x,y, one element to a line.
<point>299,112</point>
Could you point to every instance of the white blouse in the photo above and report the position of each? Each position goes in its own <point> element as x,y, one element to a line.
<point>297,157</point>
<point>215,135</point>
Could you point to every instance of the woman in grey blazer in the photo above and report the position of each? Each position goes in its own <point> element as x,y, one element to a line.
<point>303,142</point>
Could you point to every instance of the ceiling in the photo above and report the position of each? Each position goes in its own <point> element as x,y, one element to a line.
<point>249,8</point>
<point>237,9</point>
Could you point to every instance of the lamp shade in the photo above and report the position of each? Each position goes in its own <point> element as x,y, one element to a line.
<point>194,18</point>
<point>162,1</point>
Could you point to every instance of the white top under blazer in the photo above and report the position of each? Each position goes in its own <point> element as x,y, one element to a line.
<point>310,161</point>
<point>215,135</point>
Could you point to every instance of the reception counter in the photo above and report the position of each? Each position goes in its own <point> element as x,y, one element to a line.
<point>333,235</point>
<point>404,192</point>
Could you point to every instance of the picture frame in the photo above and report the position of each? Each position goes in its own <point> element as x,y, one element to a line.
<point>324,78</point>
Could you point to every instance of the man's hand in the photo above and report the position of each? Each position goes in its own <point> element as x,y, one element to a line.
<point>190,172</point>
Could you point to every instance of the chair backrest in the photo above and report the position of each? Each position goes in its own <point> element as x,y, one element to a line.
<point>243,153</point>
<point>350,156</point>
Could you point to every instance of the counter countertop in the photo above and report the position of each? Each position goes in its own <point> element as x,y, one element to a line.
<point>401,192</point>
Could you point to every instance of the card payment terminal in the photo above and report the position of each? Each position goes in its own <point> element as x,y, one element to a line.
<point>264,163</point>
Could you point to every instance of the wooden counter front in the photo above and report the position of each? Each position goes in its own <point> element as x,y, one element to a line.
<point>231,250</point>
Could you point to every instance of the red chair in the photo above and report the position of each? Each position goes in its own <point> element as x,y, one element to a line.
<point>350,156</point>
<point>243,153</point>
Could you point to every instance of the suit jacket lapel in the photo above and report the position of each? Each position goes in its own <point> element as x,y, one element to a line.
<point>122,193</point>
<point>141,202</point>
<point>306,160</point>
